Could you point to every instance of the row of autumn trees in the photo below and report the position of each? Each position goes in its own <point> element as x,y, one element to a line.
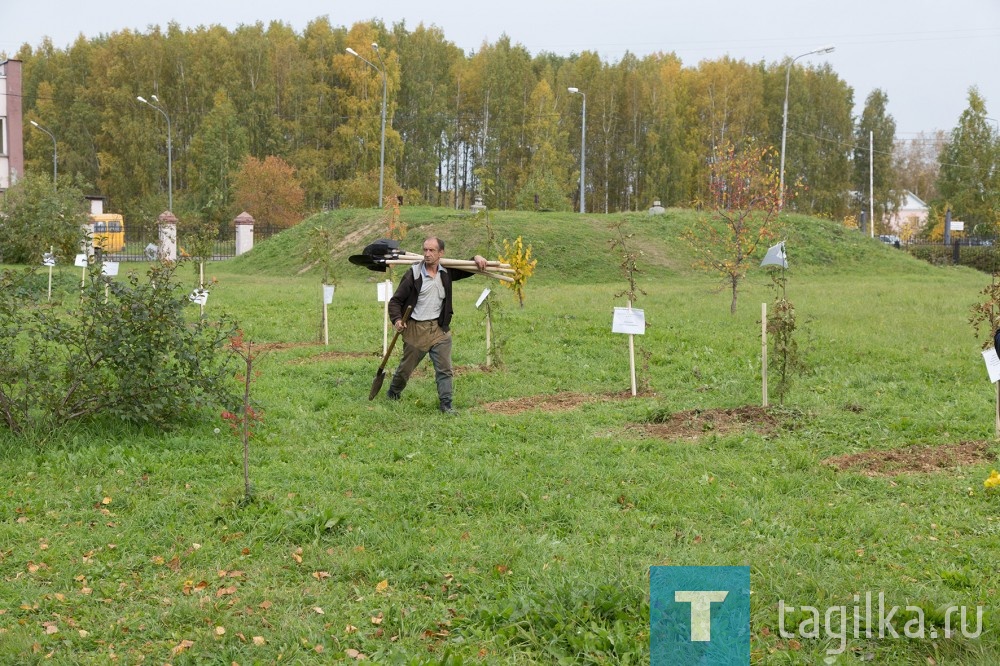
<point>498,122</point>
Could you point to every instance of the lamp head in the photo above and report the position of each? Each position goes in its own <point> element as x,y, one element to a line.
<point>826,49</point>
<point>142,99</point>
<point>352,51</point>
<point>573,90</point>
<point>155,98</point>
<point>34,123</point>
<point>375,46</point>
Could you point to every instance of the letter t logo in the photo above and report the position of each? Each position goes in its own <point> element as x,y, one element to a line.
<point>701,607</point>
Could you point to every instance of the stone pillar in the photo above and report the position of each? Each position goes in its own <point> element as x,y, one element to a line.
<point>244,233</point>
<point>87,244</point>
<point>479,206</point>
<point>657,208</point>
<point>168,236</point>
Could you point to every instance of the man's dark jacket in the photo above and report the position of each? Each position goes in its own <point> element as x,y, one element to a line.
<point>409,289</point>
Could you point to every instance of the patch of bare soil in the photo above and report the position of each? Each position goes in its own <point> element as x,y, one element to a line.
<point>265,347</point>
<point>913,459</point>
<point>697,423</point>
<point>281,346</point>
<point>555,402</point>
<point>330,356</point>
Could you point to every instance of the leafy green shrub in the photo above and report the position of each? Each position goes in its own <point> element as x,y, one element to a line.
<point>126,351</point>
<point>37,217</point>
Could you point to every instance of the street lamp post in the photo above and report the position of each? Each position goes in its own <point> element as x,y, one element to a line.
<point>381,158</point>
<point>55,153</point>
<point>784,121</point>
<point>170,163</point>
<point>583,148</point>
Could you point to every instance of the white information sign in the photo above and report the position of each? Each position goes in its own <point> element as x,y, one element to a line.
<point>957,225</point>
<point>328,294</point>
<point>992,364</point>
<point>384,291</point>
<point>81,261</point>
<point>482,296</point>
<point>629,320</point>
<point>199,296</point>
<point>110,268</point>
<point>48,259</point>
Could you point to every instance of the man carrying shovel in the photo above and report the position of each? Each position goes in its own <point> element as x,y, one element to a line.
<point>426,287</point>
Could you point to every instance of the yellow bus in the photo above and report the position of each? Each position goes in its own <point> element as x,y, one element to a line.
<point>108,232</point>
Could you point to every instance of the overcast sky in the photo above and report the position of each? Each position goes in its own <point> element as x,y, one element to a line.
<point>925,54</point>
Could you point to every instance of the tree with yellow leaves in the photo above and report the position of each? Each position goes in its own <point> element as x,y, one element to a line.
<point>520,260</point>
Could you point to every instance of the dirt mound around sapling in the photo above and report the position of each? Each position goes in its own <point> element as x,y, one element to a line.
<point>694,424</point>
<point>914,459</point>
<point>554,402</point>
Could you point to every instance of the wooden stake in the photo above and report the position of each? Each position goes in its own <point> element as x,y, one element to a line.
<point>201,284</point>
<point>51,250</point>
<point>631,356</point>
<point>326,321</point>
<point>763,350</point>
<point>489,335</point>
<point>385,323</point>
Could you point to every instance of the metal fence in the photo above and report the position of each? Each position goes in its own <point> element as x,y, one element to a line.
<point>980,254</point>
<point>141,241</point>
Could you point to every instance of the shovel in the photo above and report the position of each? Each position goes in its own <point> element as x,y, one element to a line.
<point>380,375</point>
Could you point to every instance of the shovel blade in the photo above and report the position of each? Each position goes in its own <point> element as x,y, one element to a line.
<point>377,384</point>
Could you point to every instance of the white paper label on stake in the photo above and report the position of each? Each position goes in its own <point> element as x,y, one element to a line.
<point>629,320</point>
<point>328,293</point>
<point>482,296</point>
<point>81,261</point>
<point>110,268</point>
<point>384,291</point>
<point>199,296</point>
<point>48,259</point>
<point>992,364</point>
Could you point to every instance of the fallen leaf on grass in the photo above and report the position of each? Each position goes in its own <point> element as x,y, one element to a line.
<point>180,647</point>
<point>377,619</point>
<point>220,631</point>
<point>225,591</point>
<point>320,575</point>
<point>350,629</point>
<point>106,501</point>
<point>382,586</point>
<point>318,610</point>
<point>354,654</point>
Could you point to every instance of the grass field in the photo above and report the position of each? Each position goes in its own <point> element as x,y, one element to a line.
<point>522,530</point>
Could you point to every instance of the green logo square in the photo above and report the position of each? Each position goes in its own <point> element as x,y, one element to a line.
<point>699,615</point>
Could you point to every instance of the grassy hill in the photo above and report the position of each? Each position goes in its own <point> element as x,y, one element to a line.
<point>572,247</point>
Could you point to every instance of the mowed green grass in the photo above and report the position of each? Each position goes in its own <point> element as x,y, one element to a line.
<point>391,531</point>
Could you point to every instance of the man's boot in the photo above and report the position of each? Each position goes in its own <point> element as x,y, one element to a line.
<point>446,408</point>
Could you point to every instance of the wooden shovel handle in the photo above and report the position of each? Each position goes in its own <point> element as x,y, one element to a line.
<point>388,352</point>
